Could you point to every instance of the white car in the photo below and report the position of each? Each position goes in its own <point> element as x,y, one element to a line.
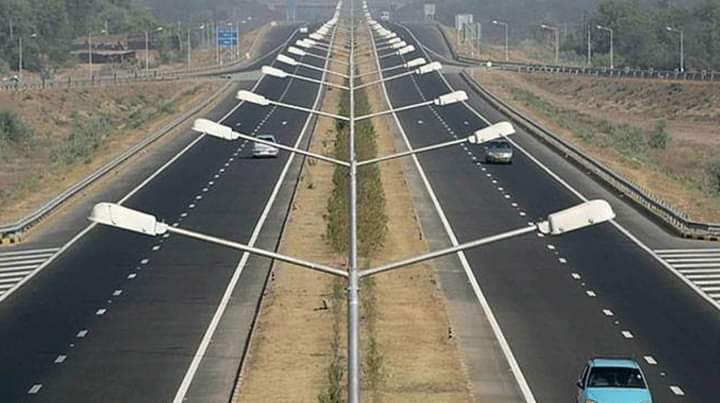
<point>264,150</point>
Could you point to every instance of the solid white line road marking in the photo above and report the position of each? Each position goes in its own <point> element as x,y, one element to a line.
<point>18,268</point>
<point>708,282</point>
<point>35,389</point>
<point>714,296</point>
<point>33,261</point>
<point>698,265</point>
<point>650,360</point>
<point>702,276</point>
<point>677,391</point>
<point>30,251</point>
<point>26,257</point>
<point>60,359</point>
<point>662,251</point>
<point>626,334</point>
<point>16,273</point>
<point>699,271</point>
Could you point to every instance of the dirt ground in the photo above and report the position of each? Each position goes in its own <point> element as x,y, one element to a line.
<point>691,110</point>
<point>33,174</point>
<point>519,53</point>
<point>291,349</point>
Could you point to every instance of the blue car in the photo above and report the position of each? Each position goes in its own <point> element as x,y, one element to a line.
<point>612,380</point>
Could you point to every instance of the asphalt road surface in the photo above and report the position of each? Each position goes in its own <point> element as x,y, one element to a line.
<point>119,317</point>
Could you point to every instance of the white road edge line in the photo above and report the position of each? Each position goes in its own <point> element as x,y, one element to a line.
<point>207,338</point>
<point>504,345</point>
<point>144,183</point>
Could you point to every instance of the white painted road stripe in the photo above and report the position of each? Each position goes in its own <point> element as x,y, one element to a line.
<point>662,251</point>
<point>29,251</point>
<point>699,265</point>
<point>25,257</point>
<point>19,268</point>
<point>691,260</point>
<point>15,274</point>
<point>33,261</point>
<point>677,391</point>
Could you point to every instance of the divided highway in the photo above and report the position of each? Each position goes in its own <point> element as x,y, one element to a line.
<point>559,301</point>
<point>119,317</point>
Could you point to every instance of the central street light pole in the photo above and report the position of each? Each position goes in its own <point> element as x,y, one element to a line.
<point>147,48</point>
<point>581,216</point>
<point>612,43</point>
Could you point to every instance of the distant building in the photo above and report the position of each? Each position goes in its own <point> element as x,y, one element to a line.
<point>104,48</point>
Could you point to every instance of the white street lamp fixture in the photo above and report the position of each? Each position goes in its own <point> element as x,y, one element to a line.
<point>287,60</point>
<point>489,133</point>
<point>122,217</point>
<point>406,50</point>
<point>409,65</point>
<point>299,52</point>
<point>279,73</point>
<point>274,72</point>
<point>226,133</point>
<point>292,62</point>
<point>574,218</point>
<point>451,98</point>
<point>247,96</point>
<point>581,216</point>
<point>428,68</point>
<point>117,216</point>
<point>253,98</point>
<point>316,36</point>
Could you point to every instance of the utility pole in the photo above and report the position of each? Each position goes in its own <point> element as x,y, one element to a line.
<point>589,47</point>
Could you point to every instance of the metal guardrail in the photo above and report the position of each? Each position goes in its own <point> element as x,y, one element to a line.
<point>12,232</point>
<point>657,207</point>
<point>624,73</point>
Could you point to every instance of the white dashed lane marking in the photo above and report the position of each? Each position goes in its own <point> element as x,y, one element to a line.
<point>700,266</point>
<point>16,265</point>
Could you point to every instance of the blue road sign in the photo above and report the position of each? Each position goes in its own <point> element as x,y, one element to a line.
<point>227,37</point>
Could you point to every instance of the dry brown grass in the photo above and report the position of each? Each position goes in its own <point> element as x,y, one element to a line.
<point>31,176</point>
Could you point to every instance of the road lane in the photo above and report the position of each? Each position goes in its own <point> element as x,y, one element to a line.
<point>555,321</point>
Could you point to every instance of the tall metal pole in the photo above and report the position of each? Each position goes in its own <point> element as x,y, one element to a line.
<point>147,52</point>
<point>589,47</point>
<point>682,52</point>
<point>507,43</point>
<point>557,46</point>
<point>20,58</point>
<point>353,289</point>
<point>90,54</point>
<point>189,48</point>
<point>612,49</point>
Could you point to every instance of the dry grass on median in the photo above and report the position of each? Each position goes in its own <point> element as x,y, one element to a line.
<point>298,350</point>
